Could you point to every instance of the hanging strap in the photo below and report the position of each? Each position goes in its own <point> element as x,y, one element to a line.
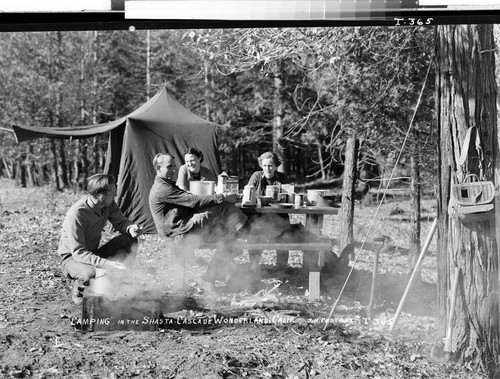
<point>479,149</point>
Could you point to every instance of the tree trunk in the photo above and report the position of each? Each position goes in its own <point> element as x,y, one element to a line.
<point>279,144</point>
<point>7,170</point>
<point>414,250</point>
<point>22,166</point>
<point>30,166</point>
<point>95,100</point>
<point>59,117</point>
<point>76,164</point>
<point>55,165</point>
<point>85,165</point>
<point>206,68</point>
<point>148,64</point>
<point>80,162</point>
<point>466,96</point>
<point>320,160</point>
<point>348,191</point>
<point>63,171</point>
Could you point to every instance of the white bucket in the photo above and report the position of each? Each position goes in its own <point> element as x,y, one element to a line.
<point>313,194</point>
<point>202,187</point>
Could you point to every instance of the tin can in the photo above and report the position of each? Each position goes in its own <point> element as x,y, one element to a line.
<point>298,200</point>
<point>273,192</point>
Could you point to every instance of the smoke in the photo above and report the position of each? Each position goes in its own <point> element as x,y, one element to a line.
<point>130,283</point>
<point>232,265</point>
<point>221,261</point>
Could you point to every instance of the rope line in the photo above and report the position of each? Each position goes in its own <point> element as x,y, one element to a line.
<point>381,200</point>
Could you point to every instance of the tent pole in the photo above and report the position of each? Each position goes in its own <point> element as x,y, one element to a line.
<point>414,274</point>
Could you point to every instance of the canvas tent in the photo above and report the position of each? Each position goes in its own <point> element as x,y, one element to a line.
<point>160,125</point>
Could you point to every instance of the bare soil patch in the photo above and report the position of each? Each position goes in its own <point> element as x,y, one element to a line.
<point>282,337</point>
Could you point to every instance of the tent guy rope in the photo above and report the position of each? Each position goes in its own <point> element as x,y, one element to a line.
<point>381,200</point>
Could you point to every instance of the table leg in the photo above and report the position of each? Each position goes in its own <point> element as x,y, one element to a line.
<point>314,286</point>
<point>314,266</point>
<point>315,260</point>
<point>314,223</point>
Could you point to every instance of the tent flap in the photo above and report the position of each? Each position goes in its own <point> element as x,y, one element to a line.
<point>27,133</point>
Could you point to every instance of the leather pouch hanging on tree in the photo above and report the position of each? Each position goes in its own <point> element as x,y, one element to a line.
<point>472,198</point>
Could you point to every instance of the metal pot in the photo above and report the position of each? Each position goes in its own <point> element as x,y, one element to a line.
<point>202,187</point>
<point>326,201</point>
<point>313,194</point>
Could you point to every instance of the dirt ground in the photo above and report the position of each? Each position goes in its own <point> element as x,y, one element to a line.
<point>268,330</point>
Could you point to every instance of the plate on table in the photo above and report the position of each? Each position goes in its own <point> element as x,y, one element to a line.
<point>282,205</point>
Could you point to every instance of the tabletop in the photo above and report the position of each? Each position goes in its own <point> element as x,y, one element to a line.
<point>309,210</point>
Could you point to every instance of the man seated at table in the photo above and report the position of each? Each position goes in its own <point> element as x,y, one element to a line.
<point>177,212</point>
<point>81,234</point>
<point>192,169</point>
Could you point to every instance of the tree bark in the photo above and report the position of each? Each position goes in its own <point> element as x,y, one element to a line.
<point>348,191</point>
<point>466,96</point>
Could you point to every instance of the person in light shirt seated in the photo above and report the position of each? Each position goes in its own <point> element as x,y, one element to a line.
<point>193,170</point>
<point>269,175</point>
<point>269,163</point>
<point>275,227</point>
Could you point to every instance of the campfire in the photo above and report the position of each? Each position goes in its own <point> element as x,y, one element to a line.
<point>131,300</point>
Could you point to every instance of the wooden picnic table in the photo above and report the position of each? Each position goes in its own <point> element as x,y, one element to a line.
<point>314,223</point>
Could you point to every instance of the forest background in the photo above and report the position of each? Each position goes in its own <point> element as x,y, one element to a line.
<point>300,92</point>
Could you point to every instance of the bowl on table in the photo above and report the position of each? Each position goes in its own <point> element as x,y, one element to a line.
<point>326,201</point>
<point>282,205</point>
<point>264,200</point>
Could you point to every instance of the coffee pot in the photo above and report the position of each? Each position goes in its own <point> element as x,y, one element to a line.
<point>249,196</point>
